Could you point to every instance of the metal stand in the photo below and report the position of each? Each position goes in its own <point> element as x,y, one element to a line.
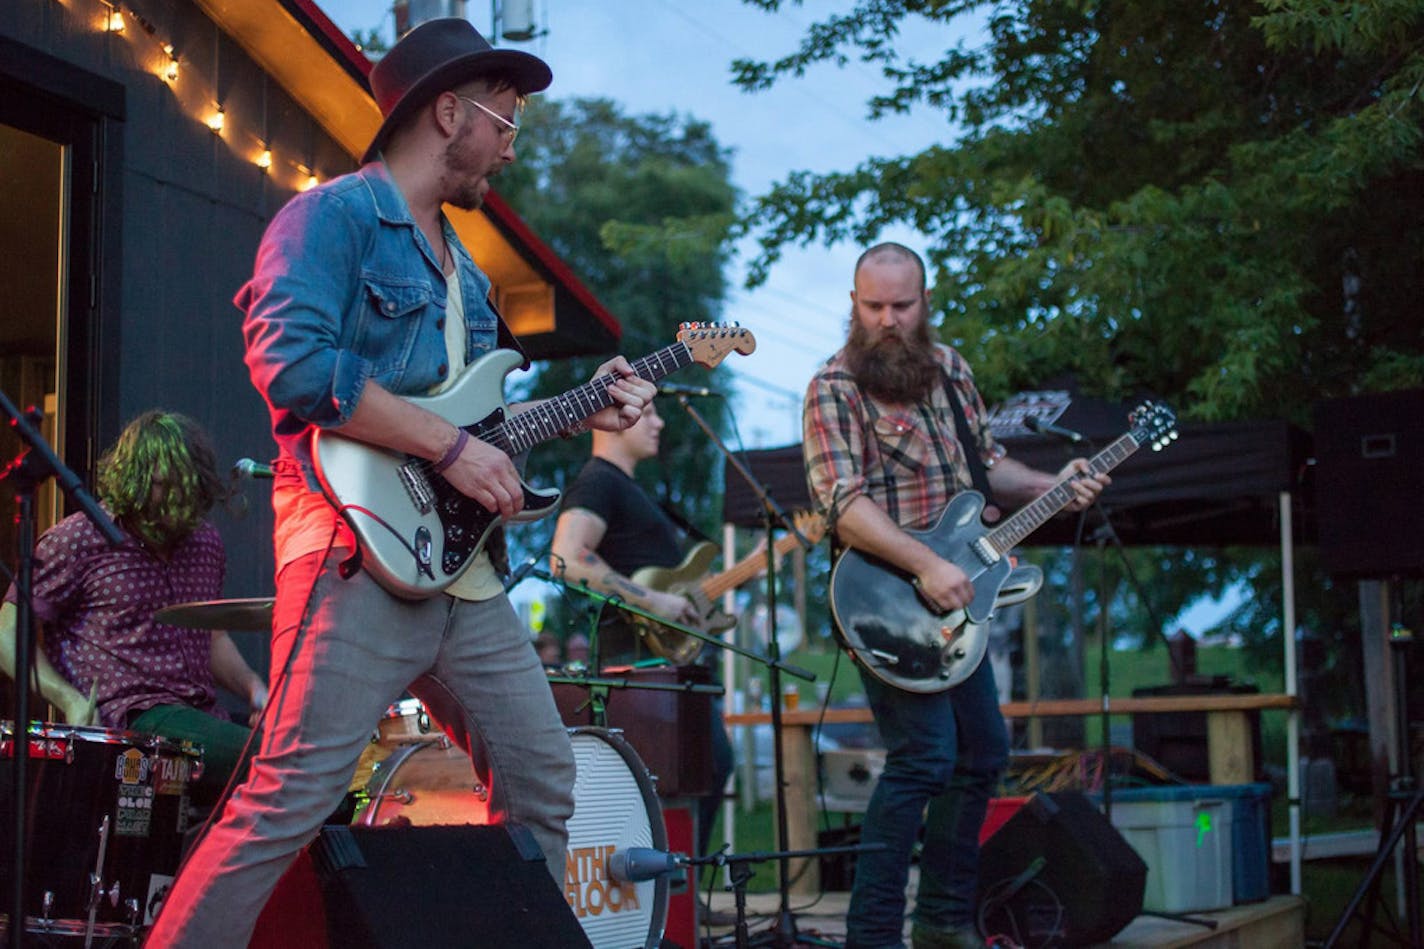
<point>26,472</point>
<point>1399,819</point>
<point>783,934</point>
<point>741,872</point>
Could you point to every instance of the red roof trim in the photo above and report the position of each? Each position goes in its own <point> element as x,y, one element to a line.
<point>557,268</point>
<point>337,41</point>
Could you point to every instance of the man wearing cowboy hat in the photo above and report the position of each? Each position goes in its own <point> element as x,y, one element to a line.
<point>362,293</point>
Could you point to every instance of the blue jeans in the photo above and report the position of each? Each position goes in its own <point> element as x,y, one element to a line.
<point>945,753</point>
<point>473,665</point>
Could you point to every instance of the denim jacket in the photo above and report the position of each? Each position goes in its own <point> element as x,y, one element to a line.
<point>347,289</point>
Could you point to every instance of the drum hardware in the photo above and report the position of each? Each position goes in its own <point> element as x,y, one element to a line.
<point>249,614</point>
<point>107,813</point>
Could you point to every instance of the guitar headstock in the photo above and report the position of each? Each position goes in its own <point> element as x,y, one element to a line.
<point>711,342</point>
<point>811,525</point>
<point>1153,424</point>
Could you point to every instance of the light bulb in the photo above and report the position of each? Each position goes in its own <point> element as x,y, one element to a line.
<point>264,160</point>
<point>215,121</point>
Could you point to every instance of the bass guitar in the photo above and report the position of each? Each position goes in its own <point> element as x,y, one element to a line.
<point>703,591</point>
<point>895,635</point>
<point>417,533</point>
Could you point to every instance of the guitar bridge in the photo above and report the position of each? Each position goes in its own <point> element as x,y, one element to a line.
<point>417,486</point>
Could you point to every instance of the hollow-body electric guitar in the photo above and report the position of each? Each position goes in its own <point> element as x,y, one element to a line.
<point>418,533</point>
<point>899,638</point>
<point>691,580</point>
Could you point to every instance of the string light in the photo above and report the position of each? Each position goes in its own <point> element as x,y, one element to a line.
<point>165,66</point>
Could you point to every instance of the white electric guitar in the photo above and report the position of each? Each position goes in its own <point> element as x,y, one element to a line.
<point>417,533</point>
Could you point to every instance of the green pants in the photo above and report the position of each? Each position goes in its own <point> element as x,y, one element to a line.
<point>222,743</point>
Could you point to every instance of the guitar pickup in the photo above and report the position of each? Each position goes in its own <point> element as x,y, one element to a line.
<point>985,550</point>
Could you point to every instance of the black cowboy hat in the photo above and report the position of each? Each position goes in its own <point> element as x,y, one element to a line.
<point>433,57</point>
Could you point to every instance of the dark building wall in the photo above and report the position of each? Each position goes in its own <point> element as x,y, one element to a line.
<point>185,225</point>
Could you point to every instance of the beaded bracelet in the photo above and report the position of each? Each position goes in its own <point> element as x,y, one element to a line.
<point>453,452</point>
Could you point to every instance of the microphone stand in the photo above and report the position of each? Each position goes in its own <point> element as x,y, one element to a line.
<point>27,472</point>
<point>599,685</point>
<point>741,873</point>
<point>1104,534</point>
<point>783,934</point>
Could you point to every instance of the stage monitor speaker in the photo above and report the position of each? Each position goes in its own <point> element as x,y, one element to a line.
<point>421,887</point>
<point>1369,454</point>
<point>1057,873</point>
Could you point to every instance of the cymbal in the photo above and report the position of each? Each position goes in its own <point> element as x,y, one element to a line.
<point>253,614</point>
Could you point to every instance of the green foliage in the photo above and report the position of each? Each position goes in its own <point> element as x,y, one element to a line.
<point>1219,203</point>
<point>639,207</point>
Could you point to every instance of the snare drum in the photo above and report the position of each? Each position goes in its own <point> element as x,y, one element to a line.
<point>93,792</point>
<point>615,807</point>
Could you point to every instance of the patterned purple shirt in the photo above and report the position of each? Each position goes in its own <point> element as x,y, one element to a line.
<point>97,603</point>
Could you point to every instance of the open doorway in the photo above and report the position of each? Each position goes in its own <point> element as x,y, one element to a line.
<point>34,175</point>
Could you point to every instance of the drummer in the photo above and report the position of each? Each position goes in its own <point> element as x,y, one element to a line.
<point>105,659</point>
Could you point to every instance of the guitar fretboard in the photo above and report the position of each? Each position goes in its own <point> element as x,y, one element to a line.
<point>1032,516</point>
<point>547,419</point>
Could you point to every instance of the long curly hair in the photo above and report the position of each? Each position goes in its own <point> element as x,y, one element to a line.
<point>170,452</point>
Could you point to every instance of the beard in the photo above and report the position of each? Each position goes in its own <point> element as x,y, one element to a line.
<point>462,166</point>
<point>893,367</point>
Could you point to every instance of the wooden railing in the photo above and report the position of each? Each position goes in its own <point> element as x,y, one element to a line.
<point>1229,750</point>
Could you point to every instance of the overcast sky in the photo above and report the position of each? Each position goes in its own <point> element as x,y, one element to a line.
<point>660,56</point>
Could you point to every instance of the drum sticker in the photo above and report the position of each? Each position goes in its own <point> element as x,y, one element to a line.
<point>588,887</point>
<point>132,767</point>
<point>133,813</point>
<point>171,774</point>
<point>158,886</point>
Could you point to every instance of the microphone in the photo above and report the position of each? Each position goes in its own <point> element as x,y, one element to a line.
<point>520,572</point>
<point>1035,424</point>
<point>672,388</point>
<point>637,864</point>
<point>252,470</point>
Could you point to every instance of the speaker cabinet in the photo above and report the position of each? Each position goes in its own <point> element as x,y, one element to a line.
<point>1058,873</point>
<point>1369,453</point>
<point>421,887</point>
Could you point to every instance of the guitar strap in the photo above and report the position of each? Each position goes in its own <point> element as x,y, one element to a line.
<point>678,518</point>
<point>978,474</point>
<point>505,338</point>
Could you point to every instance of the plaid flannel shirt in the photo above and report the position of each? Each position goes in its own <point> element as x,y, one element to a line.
<point>905,458</point>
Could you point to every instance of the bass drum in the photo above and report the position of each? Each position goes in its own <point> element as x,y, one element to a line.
<point>615,807</point>
<point>106,812</point>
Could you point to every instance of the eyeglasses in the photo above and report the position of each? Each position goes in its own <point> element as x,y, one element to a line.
<point>508,129</point>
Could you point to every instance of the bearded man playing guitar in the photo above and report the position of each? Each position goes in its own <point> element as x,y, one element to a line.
<point>884,456</point>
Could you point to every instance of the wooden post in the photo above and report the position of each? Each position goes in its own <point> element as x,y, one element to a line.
<point>800,770</point>
<point>1230,758</point>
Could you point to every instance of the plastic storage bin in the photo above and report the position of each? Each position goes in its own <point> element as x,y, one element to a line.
<point>1250,839</point>
<point>1184,835</point>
